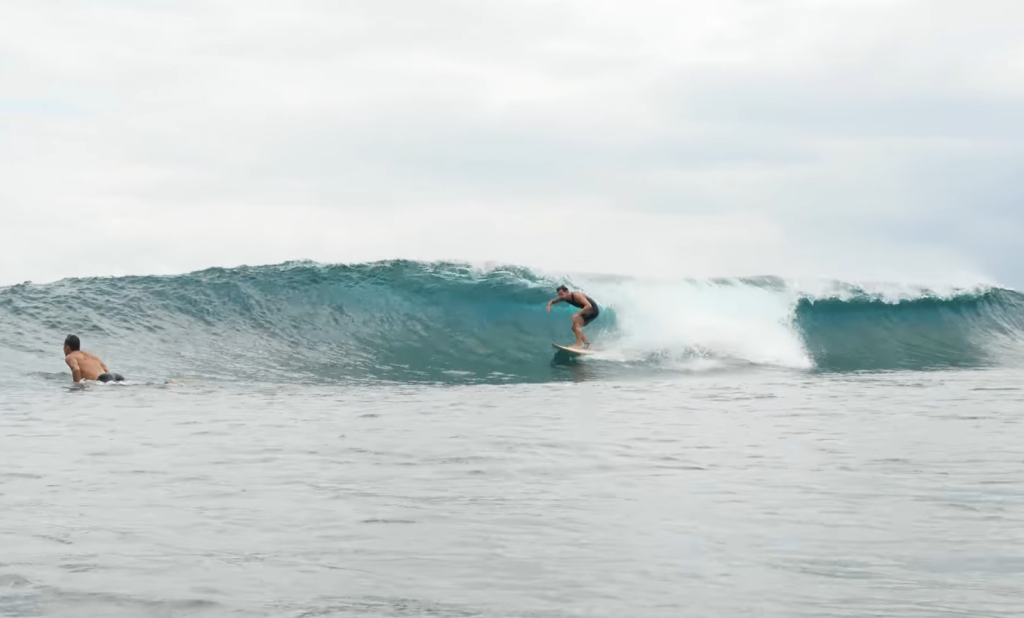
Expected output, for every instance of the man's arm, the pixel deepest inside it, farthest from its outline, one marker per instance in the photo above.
(552, 302)
(76, 371)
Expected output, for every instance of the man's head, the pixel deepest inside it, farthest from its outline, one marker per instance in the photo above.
(72, 344)
(563, 292)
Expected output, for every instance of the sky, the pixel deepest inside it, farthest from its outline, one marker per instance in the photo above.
(853, 139)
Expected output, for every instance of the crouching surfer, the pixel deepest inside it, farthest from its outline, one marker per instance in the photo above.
(85, 366)
(587, 313)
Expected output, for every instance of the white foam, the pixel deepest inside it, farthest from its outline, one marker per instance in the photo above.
(885, 291)
(719, 320)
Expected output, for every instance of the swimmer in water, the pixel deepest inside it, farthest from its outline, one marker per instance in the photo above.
(85, 366)
(587, 313)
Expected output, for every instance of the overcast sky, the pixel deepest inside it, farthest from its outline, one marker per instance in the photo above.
(879, 139)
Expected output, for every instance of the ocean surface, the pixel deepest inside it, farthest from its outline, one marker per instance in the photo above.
(400, 439)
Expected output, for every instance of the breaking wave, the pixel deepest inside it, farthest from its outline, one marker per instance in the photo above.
(402, 321)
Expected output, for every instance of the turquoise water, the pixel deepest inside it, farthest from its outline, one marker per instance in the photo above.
(399, 439)
(409, 322)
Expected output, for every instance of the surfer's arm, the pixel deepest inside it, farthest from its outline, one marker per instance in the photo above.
(76, 371)
(552, 302)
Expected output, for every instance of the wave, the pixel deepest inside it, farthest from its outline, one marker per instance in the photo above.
(403, 321)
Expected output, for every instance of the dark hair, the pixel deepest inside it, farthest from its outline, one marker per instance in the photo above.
(73, 342)
(561, 288)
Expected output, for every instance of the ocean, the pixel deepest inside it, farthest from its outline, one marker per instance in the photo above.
(400, 439)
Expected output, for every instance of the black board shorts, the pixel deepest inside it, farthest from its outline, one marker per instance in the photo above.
(590, 315)
(110, 377)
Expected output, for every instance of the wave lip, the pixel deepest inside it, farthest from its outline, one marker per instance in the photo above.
(450, 323)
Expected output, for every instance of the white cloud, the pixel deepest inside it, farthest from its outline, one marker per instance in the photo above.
(853, 138)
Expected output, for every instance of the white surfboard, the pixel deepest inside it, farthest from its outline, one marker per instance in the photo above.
(579, 351)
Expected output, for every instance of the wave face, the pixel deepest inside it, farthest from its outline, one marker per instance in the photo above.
(402, 321)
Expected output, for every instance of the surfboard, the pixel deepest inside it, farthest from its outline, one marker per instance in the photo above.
(579, 351)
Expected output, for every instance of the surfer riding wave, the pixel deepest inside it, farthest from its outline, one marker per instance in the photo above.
(587, 313)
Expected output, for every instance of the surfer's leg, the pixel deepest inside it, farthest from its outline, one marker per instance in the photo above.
(581, 337)
(577, 328)
(585, 319)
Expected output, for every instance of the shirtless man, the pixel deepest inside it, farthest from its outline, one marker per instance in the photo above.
(85, 366)
(587, 313)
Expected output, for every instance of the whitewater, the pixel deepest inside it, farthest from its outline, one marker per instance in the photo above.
(399, 438)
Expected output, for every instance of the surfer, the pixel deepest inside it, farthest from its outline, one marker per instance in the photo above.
(85, 366)
(587, 313)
